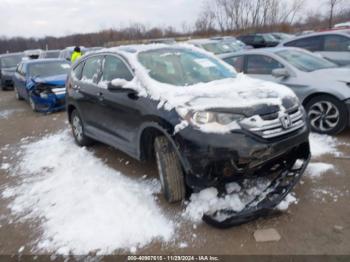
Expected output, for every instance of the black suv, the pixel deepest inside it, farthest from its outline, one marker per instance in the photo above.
(259, 40)
(8, 65)
(204, 125)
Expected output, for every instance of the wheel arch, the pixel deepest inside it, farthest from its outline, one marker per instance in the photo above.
(70, 109)
(313, 95)
(146, 139)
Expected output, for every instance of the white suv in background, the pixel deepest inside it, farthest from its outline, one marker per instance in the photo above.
(332, 45)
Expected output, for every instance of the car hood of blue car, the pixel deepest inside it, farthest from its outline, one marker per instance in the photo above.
(57, 80)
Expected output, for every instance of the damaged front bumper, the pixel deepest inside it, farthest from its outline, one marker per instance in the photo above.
(49, 100)
(285, 178)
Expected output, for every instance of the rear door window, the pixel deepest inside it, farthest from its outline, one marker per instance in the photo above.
(336, 43)
(92, 69)
(261, 65)
(236, 61)
(312, 44)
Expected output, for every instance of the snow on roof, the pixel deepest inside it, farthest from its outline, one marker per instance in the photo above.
(346, 24)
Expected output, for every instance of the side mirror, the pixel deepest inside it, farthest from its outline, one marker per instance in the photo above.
(119, 85)
(280, 73)
(348, 47)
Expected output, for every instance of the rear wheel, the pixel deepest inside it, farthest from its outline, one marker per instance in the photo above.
(170, 170)
(78, 130)
(327, 115)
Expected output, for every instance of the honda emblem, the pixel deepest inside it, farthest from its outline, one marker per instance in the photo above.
(286, 121)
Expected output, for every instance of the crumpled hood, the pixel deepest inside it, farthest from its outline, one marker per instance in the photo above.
(58, 80)
(332, 74)
(240, 94)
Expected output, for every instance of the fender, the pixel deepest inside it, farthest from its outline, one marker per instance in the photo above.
(165, 128)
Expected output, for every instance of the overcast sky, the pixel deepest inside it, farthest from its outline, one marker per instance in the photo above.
(39, 18)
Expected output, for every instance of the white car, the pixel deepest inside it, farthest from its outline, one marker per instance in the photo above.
(322, 86)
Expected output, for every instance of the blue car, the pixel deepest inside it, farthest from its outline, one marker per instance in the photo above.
(42, 83)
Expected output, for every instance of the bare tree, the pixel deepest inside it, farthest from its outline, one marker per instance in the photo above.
(333, 4)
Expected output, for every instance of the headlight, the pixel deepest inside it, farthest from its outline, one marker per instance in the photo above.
(205, 117)
(44, 95)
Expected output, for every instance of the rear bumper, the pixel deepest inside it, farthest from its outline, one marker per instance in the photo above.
(7, 82)
(262, 205)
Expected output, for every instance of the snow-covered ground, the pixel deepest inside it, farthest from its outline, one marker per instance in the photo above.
(83, 204)
(4, 114)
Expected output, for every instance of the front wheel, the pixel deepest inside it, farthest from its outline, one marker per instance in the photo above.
(327, 115)
(170, 170)
(32, 103)
(17, 95)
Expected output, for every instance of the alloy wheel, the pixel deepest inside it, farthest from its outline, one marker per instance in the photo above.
(77, 128)
(324, 116)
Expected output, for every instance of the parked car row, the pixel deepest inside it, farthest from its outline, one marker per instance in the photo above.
(204, 124)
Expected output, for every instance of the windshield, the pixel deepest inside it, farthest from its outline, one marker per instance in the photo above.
(48, 69)
(10, 61)
(183, 67)
(219, 48)
(304, 61)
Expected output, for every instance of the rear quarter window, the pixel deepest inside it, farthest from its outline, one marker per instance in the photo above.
(336, 43)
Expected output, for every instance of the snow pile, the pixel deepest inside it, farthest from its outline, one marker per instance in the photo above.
(323, 144)
(83, 204)
(289, 200)
(316, 170)
(5, 166)
(208, 200)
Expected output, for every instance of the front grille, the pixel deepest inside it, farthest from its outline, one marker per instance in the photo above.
(274, 128)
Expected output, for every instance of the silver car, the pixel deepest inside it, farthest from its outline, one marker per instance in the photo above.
(216, 47)
(332, 45)
(322, 86)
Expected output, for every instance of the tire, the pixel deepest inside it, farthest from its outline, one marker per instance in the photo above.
(32, 103)
(17, 95)
(170, 170)
(327, 115)
(77, 126)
